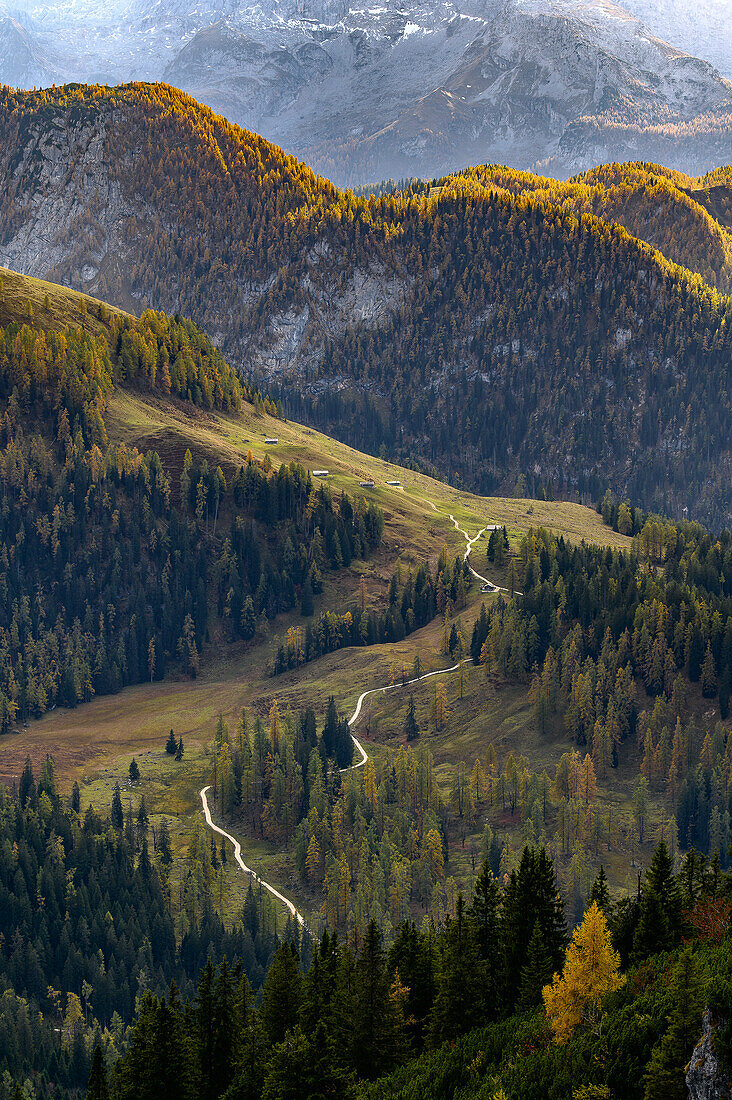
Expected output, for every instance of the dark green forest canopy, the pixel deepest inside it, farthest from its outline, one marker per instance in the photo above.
(104, 581)
(456, 1010)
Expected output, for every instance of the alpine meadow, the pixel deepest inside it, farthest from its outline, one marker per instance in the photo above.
(365, 553)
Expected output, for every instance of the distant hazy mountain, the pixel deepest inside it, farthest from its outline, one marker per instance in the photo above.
(394, 89)
(703, 27)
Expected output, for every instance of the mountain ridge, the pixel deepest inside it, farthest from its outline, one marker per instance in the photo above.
(439, 325)
(363, 93)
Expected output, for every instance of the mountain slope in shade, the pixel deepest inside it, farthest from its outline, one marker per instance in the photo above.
(494, 335)
(367, 92)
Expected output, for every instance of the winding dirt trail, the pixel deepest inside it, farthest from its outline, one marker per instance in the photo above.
(238, 857)
(363, 755)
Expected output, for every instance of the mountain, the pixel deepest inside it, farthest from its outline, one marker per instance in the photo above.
(492, 335)
(24, 62)
(364, 93)
(703, 28)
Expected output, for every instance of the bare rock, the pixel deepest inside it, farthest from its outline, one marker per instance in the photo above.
(704, 1077)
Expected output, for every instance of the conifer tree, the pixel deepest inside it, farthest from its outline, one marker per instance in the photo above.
(535, 973)
(591, 971)
(378, 1025)
(530, 896)
(281, 994)
(659, 924)
(459, 1003)
(410, 728)
(117, 813)
(97, 1088)
(599, 892)
(664, 1078)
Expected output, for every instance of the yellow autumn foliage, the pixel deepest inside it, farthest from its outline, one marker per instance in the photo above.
(591, 971)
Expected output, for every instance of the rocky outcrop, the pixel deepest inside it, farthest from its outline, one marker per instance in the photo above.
(704, 1077)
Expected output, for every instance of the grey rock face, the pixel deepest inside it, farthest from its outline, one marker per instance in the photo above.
(390, 88)
(704, 1079)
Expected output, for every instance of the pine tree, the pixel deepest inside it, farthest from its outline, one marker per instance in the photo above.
(134, 772)
(171, 745)
(179, 750)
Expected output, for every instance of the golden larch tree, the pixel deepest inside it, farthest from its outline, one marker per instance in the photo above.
(591, 971)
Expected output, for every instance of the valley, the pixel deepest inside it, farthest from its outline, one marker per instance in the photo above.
(365, 581)
(94, 745)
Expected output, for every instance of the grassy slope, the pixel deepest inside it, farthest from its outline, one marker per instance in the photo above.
(54, 307)
(96, 742)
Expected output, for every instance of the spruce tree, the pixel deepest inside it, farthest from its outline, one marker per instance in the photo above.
(164, 848)
(665, 1074)
(411, 729)
(97, 1088)
(117, 816)
(378, 1028)
(27, 785)
(413, 956)
(226, 1035)
(485, 923)
(281, 994)
(535, 973)
(599, 891)
(171, 745)
(532, 895)
(306, 604)
(659, 924)
(459, 1003)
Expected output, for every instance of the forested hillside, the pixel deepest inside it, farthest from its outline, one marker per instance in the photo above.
(111, 570)
(494, 1003)
(686, 219)
(500, 337)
